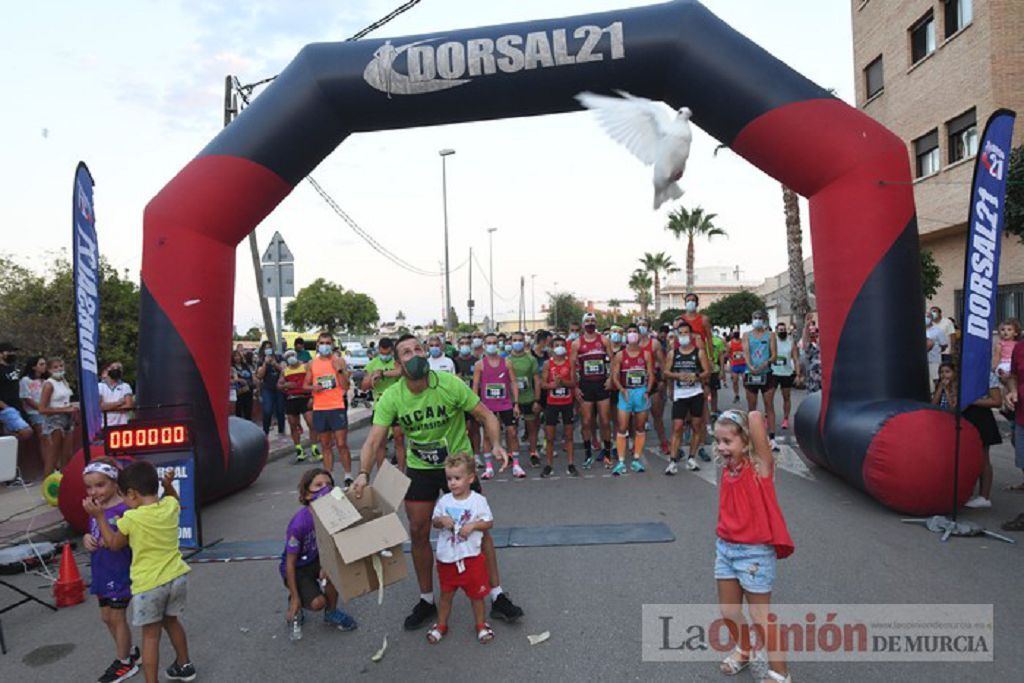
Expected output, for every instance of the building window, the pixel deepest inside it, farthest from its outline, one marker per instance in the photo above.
(959, 13)
(1009, 302)
(922, 38)
(963, 136)
(926, 152)
(873, 79)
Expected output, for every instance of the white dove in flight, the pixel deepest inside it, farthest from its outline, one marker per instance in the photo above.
(648, 131)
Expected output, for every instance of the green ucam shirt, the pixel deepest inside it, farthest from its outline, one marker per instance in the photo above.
(718, 348)
(525, 367)
(434, 421)
(386, 366)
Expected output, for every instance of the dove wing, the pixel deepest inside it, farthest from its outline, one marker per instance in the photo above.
(635, 122)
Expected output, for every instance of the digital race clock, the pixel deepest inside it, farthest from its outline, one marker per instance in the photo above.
(147, 437)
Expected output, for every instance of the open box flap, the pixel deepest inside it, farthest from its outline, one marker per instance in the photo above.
(370, 537)
(335, 511)
(390, 484)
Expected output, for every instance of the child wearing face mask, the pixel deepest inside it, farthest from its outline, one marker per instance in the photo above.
(300, 562)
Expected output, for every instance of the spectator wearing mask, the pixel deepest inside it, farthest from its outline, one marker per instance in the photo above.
(116, 397)
(439, 362)
(301, 352)
(11, 418)
(56, 406)
(271, 398)
(812, 354)
(30, 390)
(948, 328)
(244, 385)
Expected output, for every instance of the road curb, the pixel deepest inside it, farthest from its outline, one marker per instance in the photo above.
(289, 450)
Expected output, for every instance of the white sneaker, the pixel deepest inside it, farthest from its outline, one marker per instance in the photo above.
(672, 468)
(488, 473)
(692, 465)
(479, 462)
(518, 472)
(978, 502)
(775, 446)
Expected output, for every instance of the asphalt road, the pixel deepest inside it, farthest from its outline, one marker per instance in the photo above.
(849, 550)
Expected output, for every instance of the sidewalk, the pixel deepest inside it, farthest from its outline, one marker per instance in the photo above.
(23, 510)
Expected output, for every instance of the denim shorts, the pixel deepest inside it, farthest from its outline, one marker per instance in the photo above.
(634, 400)
(12, 421)
(752, 565)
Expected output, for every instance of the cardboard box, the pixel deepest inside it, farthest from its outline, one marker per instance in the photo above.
(350, 531)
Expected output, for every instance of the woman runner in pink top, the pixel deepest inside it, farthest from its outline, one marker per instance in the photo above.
(494, 381)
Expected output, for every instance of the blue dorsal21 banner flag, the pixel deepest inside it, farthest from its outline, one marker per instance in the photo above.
(87, 303)
(981, 261)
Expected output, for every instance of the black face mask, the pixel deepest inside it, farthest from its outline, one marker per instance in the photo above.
(114, 374)
(417, 367)
(782, 334)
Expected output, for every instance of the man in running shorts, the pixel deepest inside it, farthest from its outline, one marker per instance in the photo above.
(785, 366)
(760, 351)
(687, 368)
(589, 356)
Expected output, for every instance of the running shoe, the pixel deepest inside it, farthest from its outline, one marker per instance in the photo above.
(534, 460)
(183, 672)
(672, 469)
(421, 613)
(546, 472)
(502, 608)
(665, 449)
(300, 454)
(135, 655)
(572, 471)
(775, 446)
(518, 472)
(620, 468)
(119, 671)
(348, 480)
(588, 462)
(703, 454)
(488, 472)
(317, 455)
(479, 462)
(637, 466)
(978, 502)
(341, 619)
(692, 465)
(785, 423)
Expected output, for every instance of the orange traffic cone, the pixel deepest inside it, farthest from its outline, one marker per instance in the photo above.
(69, 589)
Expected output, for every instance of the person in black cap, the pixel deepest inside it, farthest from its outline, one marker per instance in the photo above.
(11, 419)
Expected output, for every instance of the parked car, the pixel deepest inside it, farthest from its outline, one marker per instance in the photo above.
(357, 358)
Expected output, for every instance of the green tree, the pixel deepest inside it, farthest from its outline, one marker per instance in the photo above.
(564, 308)
(37, 313)
(327, 306)
(693, 224)
(1015, 194)
(931, 275)
(656, 264)
(669, 315)
(254, 334)
(640, 282)
(735, 309)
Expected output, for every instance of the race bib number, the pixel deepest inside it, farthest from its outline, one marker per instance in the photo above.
(738, 355)
(681, 384)
(326, 381)
(781, 362)
(495, 391)
(757, 380)
(521, 381)
(432, 452)
(636, 378)
(593, 367)
(560, 392)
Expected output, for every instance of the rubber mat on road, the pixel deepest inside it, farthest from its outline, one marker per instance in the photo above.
(505, 537)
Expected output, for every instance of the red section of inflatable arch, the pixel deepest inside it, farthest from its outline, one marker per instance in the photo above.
(853, 152)
(204, 234)
(895, 475)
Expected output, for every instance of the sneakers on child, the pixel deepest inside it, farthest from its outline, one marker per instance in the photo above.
(673, 468)
(342, 620)
(488, 472)
(181, 672)
(637, 466)
(620, 468)
(119, 671)
(978, 503)
(517, 471)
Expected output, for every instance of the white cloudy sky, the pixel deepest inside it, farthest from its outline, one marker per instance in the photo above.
(136, 89)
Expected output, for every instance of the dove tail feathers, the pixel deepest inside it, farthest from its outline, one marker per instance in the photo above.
(670, 192)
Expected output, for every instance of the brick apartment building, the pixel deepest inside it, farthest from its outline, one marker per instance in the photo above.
(932, 71)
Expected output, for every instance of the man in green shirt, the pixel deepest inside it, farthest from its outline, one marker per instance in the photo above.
(525, 366)
(381, 373)
(431, 408)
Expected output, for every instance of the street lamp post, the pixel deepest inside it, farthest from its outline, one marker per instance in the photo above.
(490, 240)
(445, 153)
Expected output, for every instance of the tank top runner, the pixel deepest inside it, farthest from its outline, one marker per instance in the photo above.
(783, 363)
(326, 377)
(760, 350)
(464, 368)
(689, 363)
(294, 380)
(749, 512)
(736, 357)
(648, 348)
(559, 396)
(633, 370)
(697, 327)
(495, 386)
(592, 359)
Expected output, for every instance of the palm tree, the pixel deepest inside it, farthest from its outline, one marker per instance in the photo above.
(799, 305)
(640, 282)
(656, 264)
(693, 224)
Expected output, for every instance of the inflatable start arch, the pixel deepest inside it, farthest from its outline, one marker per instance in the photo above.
(870, 424)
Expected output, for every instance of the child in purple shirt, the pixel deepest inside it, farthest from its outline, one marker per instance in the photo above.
(111, 583)
(300, 561)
